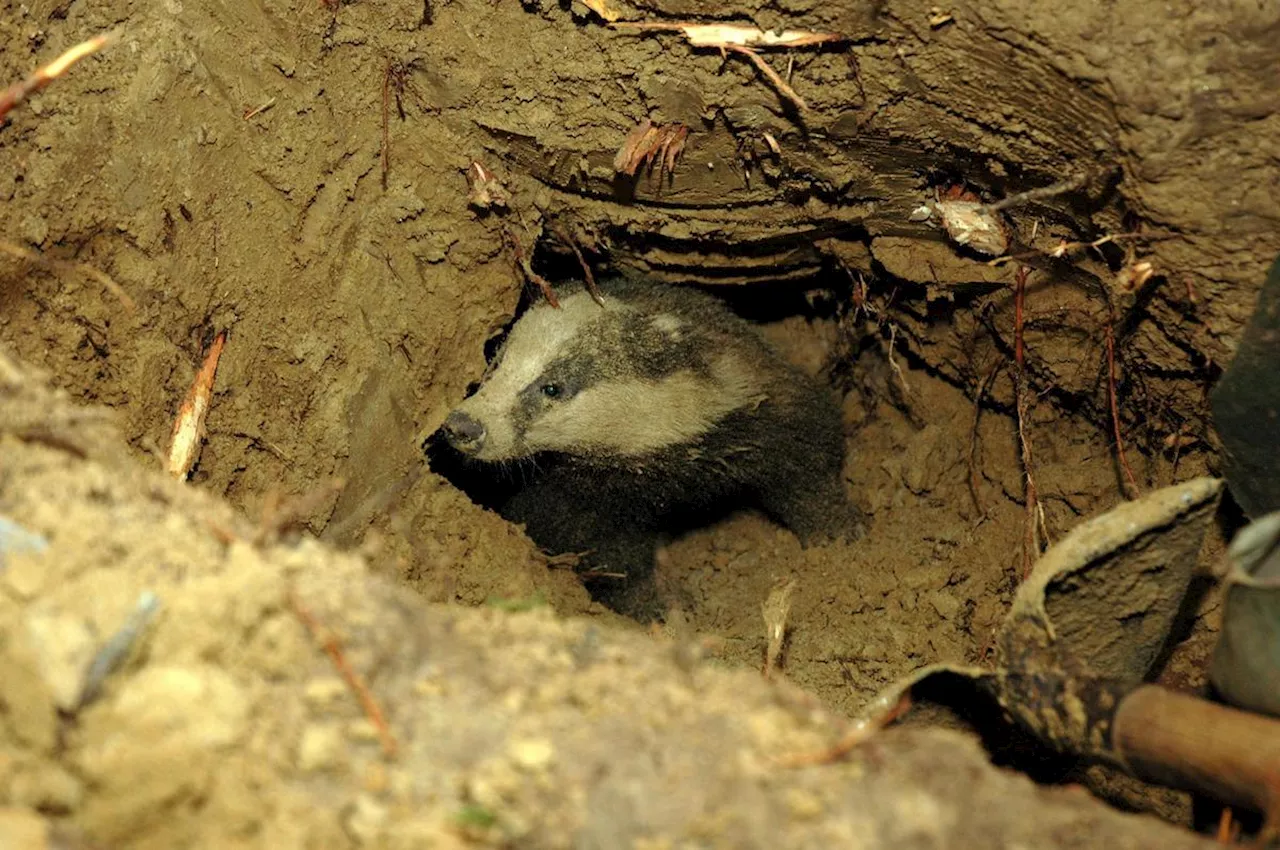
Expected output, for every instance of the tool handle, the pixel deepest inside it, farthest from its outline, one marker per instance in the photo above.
(1184, 742)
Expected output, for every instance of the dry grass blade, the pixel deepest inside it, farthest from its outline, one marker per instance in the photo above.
(20, 91)
(188, 427)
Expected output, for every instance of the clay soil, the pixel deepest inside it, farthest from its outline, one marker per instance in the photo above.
(297, 175)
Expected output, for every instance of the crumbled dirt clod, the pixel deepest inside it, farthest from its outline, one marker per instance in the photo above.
(228, 726)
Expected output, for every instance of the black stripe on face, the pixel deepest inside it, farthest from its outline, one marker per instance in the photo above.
(613, 348)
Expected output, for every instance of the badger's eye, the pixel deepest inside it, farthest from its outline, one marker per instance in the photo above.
(551, 390)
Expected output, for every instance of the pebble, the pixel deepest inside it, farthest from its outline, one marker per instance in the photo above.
(323, 691)
(532, 753)
(23, 828)
(319, 747)
(48, 787)
(366, 821)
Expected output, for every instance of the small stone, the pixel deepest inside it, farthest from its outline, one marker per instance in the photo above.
(47, 787)
(320, 747)
(803, 805)
(202, 704)
(532, 753)
(366, 820)
(64, 648)
(362, 729)
(376, 778)
(26, 574)
(34, 229)
(324, 691)
(946, 604)
(23, 828)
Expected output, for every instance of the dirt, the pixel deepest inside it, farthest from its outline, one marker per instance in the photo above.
(225, 165)
(225, 720)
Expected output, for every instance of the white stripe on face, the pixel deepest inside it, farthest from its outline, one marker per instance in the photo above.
(539, 337)
(634, 417)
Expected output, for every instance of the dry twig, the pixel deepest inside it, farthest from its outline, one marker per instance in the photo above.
(333, 648)
(722, 35)
(20, 91)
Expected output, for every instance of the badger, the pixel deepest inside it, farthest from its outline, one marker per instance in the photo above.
(649, 411)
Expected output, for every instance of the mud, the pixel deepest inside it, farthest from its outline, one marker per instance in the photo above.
(359, 301)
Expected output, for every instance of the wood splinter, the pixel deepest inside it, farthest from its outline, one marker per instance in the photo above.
(188, 427)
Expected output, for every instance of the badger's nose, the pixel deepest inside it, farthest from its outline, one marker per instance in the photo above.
(464, 432)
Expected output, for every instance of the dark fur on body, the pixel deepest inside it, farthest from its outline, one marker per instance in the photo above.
(781, 450)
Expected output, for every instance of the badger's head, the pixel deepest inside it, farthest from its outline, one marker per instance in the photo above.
(599, 382)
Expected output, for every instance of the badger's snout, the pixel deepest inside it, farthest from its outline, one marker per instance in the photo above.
(464, 432)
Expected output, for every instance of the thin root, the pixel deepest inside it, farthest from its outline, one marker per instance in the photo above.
(775, 610)
(587, 275)
(81, 269)
(1131, 485)
(279, 514)
(893, 364)
(523, 265)
(18, 92)
(1030, 544)
(973, 439)
(857, 734)
(650, 145)
(784, 88)
(333, 648)
(258, 110)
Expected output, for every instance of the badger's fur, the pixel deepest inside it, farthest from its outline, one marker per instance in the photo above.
(646, 413)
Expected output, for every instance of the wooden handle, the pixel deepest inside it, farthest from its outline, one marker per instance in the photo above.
(1189, 743)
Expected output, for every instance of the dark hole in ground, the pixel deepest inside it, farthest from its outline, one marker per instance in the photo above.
(824, 298)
